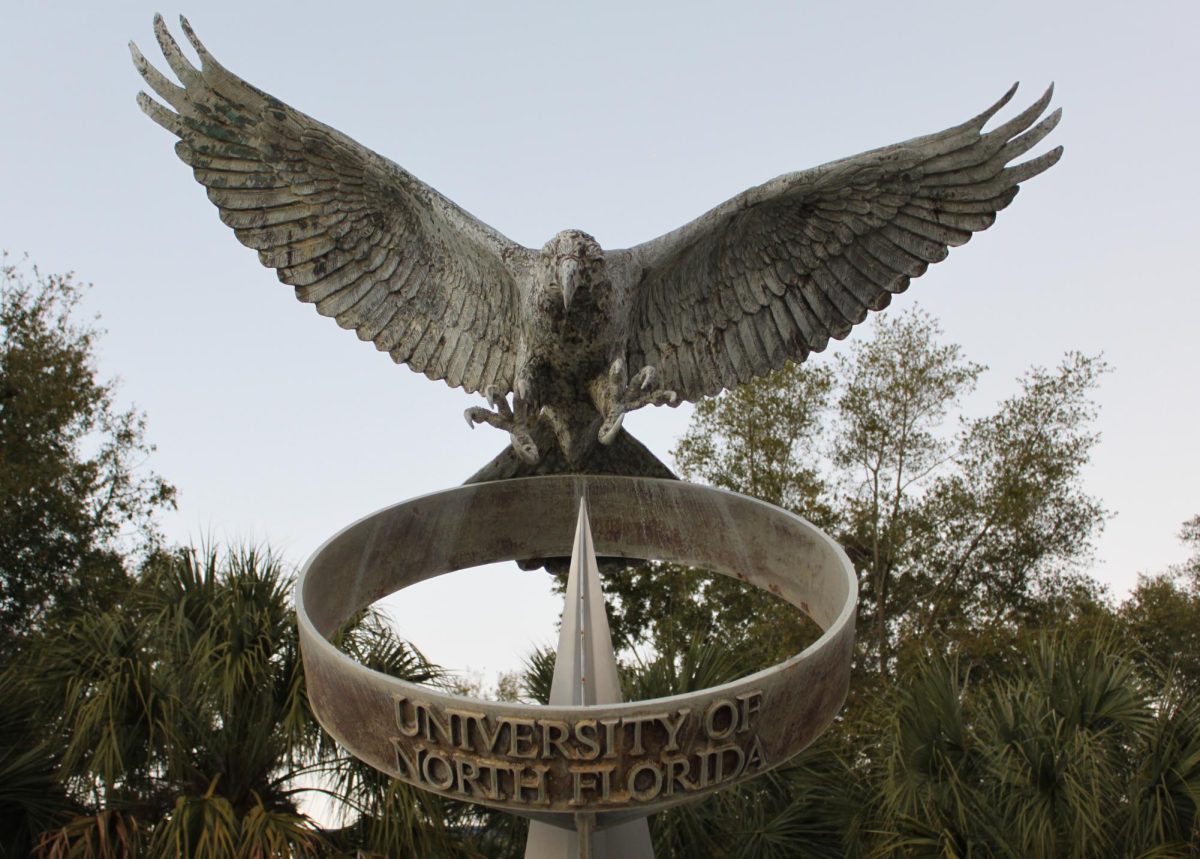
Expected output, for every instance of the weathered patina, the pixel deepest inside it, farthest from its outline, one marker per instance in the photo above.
(619, 761)
(580, 335)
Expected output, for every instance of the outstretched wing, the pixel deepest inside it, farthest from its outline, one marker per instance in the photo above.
(772, 274)
(354, 233)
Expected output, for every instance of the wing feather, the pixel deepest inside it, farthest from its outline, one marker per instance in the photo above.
(772, 274)
(357, 236)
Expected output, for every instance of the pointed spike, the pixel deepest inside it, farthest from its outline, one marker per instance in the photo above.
(586, 668)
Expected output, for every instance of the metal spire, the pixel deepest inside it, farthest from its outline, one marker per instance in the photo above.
(585, 672)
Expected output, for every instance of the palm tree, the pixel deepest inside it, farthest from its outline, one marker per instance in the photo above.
(185, 721)
(1072, 754)
(31, 797)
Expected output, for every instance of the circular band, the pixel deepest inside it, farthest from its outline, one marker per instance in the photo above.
(621, 760)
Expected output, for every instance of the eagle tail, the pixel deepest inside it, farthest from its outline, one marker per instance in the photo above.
(626, 456)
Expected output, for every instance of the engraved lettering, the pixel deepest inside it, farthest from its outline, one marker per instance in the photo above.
(756, 759)
(610, 736)
(581, 780)
(677, 768)
(706, 759)
(724, 775)
(720, 719)
(431, 721)
(673, 729)
(489, 741)
(578, 763)
(429, 772)
(406, 727)
(554, 734)
(642, 794)
(468, 776)
(461, 722)
(532, 777)
(493, 771)
(406, 760)
(637, 722)
(585, 778)
(751, 703)
(520, 731)
(590, 740)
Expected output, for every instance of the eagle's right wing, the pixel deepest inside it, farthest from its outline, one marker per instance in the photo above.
(772, 274)
(354, 233)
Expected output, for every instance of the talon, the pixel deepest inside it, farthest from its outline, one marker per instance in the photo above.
(616, 373)
(502, 416)
(499, 402)
(610, 428)
(477, 415)
(644, 379)
(627, 394)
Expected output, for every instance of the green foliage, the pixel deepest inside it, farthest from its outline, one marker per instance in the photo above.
(898, 387)
(954, 526)
(31, 796)
(185, 723)
(1162, 616)
(108, 834)
(72, 485)
(169, 718)
(760, 439)
(1069, 755)
(1007, 526)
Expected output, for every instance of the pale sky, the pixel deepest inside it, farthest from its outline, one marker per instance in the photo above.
(626, 120)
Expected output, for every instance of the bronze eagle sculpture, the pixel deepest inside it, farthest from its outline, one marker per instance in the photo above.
(578, 336)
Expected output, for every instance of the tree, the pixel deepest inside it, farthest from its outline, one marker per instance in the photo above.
(897, 387)
(73, 490)
(762, 439)
(1162, 616)
(1067, 753)
(32, 798)
(1006, 529)
(185, 723)
(961, 533)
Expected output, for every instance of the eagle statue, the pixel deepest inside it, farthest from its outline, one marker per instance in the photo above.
(576, 335)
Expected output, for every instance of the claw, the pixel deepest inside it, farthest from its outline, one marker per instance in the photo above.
(644, 378)
(627, 395)
(610, 427)
(502, 416)
(499, 402)
(617, 374)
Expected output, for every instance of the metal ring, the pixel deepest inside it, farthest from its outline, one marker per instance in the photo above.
(622, 760)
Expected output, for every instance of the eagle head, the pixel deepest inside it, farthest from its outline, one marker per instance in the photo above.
(574, 261)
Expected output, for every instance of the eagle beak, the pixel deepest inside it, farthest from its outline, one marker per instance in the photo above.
(568, 277)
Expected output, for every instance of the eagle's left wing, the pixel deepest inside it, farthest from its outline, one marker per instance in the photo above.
(772, 274)
(359, 237)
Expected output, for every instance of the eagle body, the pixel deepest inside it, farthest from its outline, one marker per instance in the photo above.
(565, 340)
